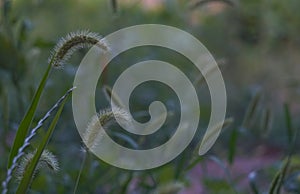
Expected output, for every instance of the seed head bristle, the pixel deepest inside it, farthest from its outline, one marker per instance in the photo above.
(47, 160)
(72, 42)
(101, 121)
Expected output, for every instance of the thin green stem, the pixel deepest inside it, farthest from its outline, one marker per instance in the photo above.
(126, 183)
(81, 170)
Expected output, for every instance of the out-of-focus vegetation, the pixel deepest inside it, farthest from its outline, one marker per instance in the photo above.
(256, 44)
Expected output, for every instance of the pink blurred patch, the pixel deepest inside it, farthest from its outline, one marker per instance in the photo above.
(152, 4)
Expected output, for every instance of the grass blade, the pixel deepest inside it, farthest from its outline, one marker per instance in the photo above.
(27, 120)
(194, 163)
(266, 122)
(221, 164)
(278, 180)
(26, 181)
(210, 136)
(126, 183)
(232, 145)
(288, 121)
(110, 97)
(279, 177)
(114, 5)
(81, 170)
(126, 139)
(27, 141)
(251, 110)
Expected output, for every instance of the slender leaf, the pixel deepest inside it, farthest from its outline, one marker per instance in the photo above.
(126, 183)
(114, 5)
(6, 111)
(201, 79)
(194, 163)
(80, 171)
(127, 139)
(211, 135)
(288, 121)
(180, 167)
(232, 145)
(279, 177)
(27, 120)
(221, 164)
(278, 180)
(26, 181)
(266, 121)
(110, 97)
(251, 110)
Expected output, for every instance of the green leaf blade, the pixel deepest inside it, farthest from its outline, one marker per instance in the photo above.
(288, 121)
(26, 181)
(27, 120)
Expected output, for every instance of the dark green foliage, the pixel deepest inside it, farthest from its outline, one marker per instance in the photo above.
(256, 41)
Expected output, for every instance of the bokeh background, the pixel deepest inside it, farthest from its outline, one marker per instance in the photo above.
(255, 42)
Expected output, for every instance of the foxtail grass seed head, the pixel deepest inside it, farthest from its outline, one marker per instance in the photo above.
(101, 121)
(47, 160)
(72, 42)
(28, 140)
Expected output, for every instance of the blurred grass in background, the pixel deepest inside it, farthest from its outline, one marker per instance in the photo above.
(255, 42)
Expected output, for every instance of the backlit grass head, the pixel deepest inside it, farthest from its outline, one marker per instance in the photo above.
(72, 42)
(101, 121)
(47, 161)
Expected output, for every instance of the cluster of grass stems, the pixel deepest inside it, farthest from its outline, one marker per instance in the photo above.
(24, 164)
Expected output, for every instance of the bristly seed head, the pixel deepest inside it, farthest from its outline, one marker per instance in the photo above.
(47, 160)
(100, 121)
(71, 43)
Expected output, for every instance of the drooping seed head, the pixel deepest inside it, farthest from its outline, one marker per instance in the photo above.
(47, 160)
(101, 121)
(72, 42)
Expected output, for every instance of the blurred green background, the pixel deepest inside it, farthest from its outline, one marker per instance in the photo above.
(255, 43)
